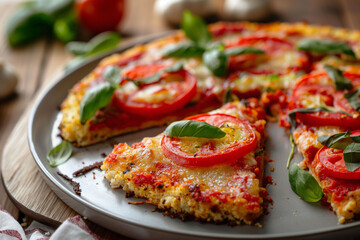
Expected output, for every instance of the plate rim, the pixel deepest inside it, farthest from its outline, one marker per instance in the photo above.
(60, 186)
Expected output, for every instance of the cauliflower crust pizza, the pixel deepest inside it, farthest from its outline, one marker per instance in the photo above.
(210, 166)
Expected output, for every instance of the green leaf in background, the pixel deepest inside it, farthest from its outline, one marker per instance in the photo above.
(195, 29)
(337, 141)
(304, 185)
(95, 99)
(354, 98)
(325, 46)
(216, 61)
(26, 25)
(243, 50)
(352, 156)
(65, 27)
(83, 50)
(341, 82)
(54, 7)
(184, 49)
(112, 74)
(190, 128)
(59, 154)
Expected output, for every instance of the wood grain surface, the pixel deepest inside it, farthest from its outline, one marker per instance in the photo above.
(40, 63)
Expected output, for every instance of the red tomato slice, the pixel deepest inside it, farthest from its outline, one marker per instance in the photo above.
(333, 162)
(140, 72)
(207, 153)
(170, 93)
(318, 89)
(281, 56)
(221, 29)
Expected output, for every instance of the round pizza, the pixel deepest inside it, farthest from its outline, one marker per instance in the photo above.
(217, 86)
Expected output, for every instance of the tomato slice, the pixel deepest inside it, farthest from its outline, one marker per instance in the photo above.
(170, 93)
(333, 162)
(281, 56)
(201, 152)
(141, 72)
(222, 29)
(317, 89)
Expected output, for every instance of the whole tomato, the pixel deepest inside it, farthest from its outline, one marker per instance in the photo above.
(100, 15)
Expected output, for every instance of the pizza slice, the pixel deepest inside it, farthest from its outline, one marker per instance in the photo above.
(321, 109)
(209, 179)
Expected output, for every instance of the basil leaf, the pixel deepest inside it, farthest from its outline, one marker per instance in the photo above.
(292, 114)
(337, 141)
(59, 154)
(353, 98)
(243, 50)
(185, 49)
(95, 99)
(65, 27)
(112, 74)
(190, 128)
(195, 29)
(304, 185)
(352, 156)
(291, 155)
(27, 24)
(341, 82)
(216, 61)
(228, 96)
(154, 78)
(325, 46)
(100, 43)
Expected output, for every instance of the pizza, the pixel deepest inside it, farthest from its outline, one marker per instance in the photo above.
(212, 180)
(303, 76)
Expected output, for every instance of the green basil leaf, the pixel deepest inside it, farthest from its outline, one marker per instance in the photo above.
(183, 50)
(112, 74)
(292, 114)
(195, 29)
(190, 128)
(304, 185)
(243, 50)
(291, 155)
(337, 141)
(54, 7)
(26, 25)
(156, 77)
(353, 98)
(65, 27)
(95, 99)
(216, 61)
(103, 42)
(341, 82)
(74, 63)
(352, 156)
(100, 43)
(228, 96)
(325, 46)
(59, 154)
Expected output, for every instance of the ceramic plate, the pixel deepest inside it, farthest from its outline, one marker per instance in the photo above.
(288, 217)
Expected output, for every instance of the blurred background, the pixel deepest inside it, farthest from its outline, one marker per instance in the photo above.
(42, 39)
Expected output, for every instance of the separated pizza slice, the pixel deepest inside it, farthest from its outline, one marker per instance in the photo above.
(209, 166)
(325, 115)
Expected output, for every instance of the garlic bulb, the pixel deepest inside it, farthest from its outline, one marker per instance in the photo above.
(172, 10)
(8, 80)
(250, 10)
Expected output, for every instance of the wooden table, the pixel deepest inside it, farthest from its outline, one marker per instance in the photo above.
(38, 63)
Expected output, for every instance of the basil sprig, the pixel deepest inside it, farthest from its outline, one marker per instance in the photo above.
(184, 49)
(341, 82)
(304, 185)
(350, 145)
(156, 77)
(292, 114)
(242, 50)
(59, 154)
(190, 128)
(195, 29)
(100, 96)
(353, 98)
(325, 46)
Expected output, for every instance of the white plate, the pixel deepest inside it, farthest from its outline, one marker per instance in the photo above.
(288, 217)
